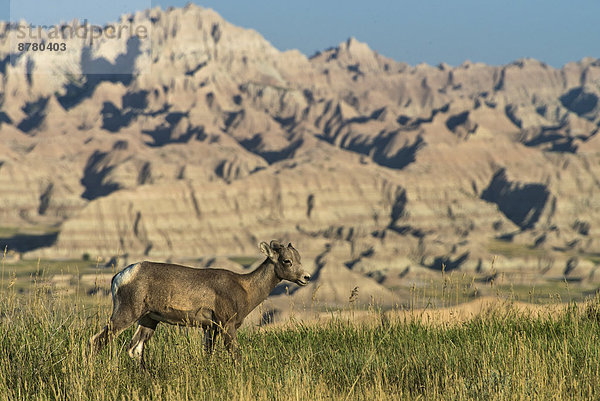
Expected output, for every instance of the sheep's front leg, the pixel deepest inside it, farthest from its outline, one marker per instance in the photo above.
(210, 336)
(230, 338)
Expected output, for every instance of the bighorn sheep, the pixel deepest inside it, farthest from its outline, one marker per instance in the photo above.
(215, 299)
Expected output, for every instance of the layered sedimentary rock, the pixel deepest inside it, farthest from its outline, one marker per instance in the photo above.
(203, 139)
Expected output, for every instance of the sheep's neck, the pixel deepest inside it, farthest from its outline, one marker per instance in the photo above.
(260, 283)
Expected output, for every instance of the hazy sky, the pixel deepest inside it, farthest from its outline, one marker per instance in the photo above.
(414, 31)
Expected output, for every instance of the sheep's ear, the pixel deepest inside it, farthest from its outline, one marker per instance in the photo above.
(264, 248)
(268, 251)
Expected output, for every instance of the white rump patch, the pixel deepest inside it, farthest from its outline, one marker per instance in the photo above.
(123, 277)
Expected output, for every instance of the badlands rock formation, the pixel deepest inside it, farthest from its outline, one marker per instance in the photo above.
(203, 139)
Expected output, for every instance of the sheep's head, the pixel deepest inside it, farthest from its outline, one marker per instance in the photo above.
(287, 262)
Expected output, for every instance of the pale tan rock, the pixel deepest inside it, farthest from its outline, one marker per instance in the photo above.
(218, 141)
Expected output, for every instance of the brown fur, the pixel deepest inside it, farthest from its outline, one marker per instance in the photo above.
(217, 300)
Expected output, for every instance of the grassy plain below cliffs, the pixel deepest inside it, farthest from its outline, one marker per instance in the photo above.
(502, 352)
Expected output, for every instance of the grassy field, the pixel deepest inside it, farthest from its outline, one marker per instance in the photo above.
(500, 354)
(49, 310)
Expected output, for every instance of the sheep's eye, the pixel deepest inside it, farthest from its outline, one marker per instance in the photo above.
(287, 262)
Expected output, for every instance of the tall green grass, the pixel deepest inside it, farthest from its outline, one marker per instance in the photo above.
(500, 354)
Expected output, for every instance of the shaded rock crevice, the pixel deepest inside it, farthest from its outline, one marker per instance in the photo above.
(28, 242)
(461, 125)
(45, 198)
(447, 264)
(96, 177)
(36, 113)
(520, 203)
(140, 232)
(310, 204)
(256, 145)
(95, 70)
(398, 206)
(145, 174)
(381, 148)
(580, 102)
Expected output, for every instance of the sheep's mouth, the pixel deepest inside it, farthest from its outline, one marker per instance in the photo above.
(301, 282)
